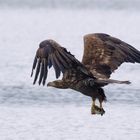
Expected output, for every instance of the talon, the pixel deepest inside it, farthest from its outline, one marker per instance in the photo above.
(97, 110)
(102, 111)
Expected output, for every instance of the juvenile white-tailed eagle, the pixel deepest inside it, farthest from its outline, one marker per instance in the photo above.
(103, 54)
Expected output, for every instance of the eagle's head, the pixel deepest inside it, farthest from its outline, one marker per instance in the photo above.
(52, 84)
(57, 84)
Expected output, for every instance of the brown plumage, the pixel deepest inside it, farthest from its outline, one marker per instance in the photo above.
(103, 54)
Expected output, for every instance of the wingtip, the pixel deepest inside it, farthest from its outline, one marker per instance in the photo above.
(43, 83)
(31, 73)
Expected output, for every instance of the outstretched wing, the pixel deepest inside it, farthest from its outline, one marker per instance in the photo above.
(51, 54)
(103, 54)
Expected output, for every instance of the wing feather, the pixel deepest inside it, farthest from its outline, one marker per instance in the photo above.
(51, 54)
(41, 73)
(34, 65)
(103, 54)
(37, 71)
(61, 61)
(45, 71)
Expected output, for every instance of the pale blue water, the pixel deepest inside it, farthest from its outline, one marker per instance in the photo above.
(72, 4)
(26, 108)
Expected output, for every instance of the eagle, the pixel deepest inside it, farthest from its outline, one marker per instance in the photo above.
(103, 54)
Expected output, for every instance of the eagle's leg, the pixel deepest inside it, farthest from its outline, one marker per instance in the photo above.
(93, 107)
(101, 107)
(101, 103)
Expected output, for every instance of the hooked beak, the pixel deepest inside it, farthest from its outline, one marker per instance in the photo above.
(50, 84)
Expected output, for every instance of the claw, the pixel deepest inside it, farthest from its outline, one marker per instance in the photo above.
(97, 110)
(102, 111)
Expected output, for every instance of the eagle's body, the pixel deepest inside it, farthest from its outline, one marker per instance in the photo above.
(103, 54)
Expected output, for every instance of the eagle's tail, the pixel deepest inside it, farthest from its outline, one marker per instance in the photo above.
(111, 81)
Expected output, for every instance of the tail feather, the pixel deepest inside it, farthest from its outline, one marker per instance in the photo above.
(111, 81)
